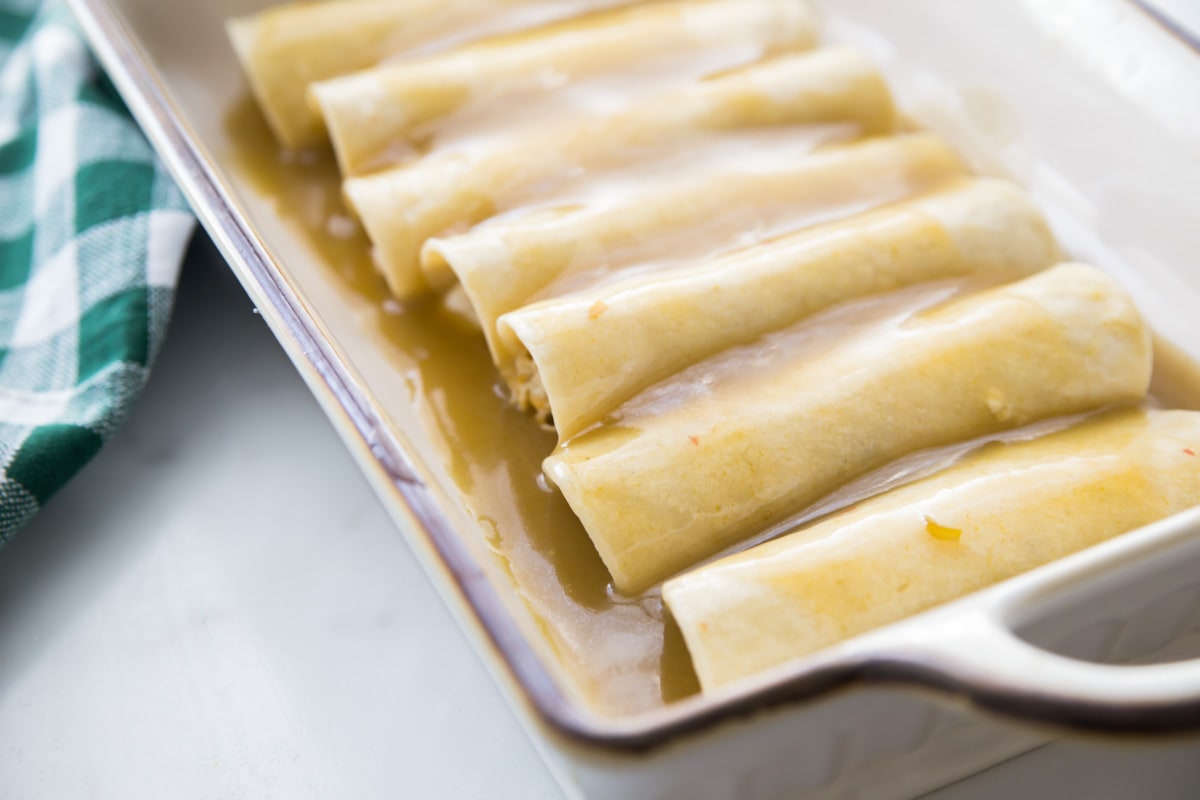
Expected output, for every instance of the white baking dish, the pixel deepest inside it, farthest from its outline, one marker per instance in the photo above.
(1093, 106)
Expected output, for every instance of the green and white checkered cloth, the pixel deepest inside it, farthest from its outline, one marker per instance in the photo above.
(92, 232)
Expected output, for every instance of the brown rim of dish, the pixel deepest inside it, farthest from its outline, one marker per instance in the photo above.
(811, 680)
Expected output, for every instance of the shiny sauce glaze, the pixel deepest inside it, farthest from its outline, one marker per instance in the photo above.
(625, 654)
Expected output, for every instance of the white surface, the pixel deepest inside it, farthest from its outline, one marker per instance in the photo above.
(218, 607)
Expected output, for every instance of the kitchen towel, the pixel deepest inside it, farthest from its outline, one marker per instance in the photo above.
(92, 233)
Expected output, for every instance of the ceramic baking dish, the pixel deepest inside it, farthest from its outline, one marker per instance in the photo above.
(1095, 107)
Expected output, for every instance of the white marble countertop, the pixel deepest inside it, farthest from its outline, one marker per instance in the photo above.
(219, 607)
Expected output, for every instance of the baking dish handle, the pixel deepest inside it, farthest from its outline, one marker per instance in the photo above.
(972, 649)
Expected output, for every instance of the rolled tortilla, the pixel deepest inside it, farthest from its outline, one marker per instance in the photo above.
(1002, 511)
(383, 115)
(505, 263)
(737, 443)
(286, 48)
(452, 189)
(584, 354)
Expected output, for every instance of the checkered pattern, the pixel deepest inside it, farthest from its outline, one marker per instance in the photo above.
(92, 232)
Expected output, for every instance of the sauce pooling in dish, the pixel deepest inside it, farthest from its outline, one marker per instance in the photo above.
(695, 232)
(613, 648)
